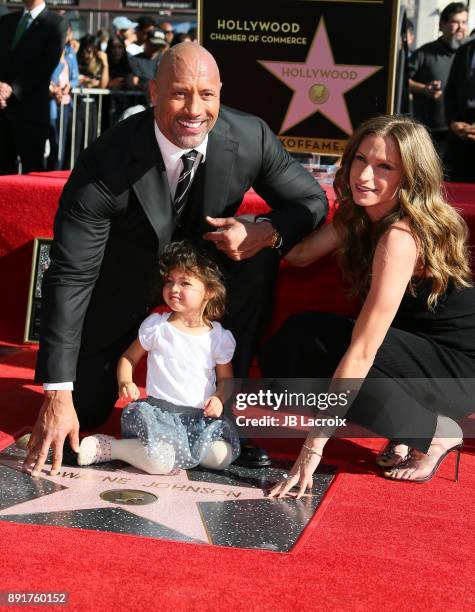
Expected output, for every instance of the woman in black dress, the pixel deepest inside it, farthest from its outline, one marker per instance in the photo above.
(402, 248)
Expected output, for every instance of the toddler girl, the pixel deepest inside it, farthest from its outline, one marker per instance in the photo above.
(179, 424)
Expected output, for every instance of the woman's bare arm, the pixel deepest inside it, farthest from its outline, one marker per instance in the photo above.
(323, 241)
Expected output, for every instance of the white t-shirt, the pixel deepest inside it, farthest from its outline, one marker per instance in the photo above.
(180, 366)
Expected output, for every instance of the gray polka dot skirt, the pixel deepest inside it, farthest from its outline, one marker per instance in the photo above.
(185, 428)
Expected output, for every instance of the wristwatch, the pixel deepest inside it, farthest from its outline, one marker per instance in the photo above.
(276, 239)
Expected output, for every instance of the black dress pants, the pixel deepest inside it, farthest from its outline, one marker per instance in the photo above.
(460, 160)
(311, 345)
(24, 140)
(250, 286)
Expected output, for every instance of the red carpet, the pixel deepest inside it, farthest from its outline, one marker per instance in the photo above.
(376, 544)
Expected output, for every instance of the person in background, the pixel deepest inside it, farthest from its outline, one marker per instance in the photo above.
(167, 29)
(31, 44)
(121, 80)
(60, 112)
(125, 29)
(70, 55)
(460, 115)
(103, 36)
(429, 68)
(93, 74)
(119, 66)
(93, 64)
(145, 25)
(145, 65)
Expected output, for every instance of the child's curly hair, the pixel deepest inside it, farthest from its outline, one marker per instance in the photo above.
(184, 256)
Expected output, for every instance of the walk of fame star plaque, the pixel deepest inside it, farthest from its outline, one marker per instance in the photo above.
(227, 508)
(312, 69)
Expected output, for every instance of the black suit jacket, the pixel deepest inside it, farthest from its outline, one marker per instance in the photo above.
(115, 216)
(29, 66)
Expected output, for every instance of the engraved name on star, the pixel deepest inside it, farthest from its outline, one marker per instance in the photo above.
(174, 510)
(319, 84)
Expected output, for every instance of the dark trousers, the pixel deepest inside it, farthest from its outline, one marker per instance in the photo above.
(460, 160)
(311, 345)
(24, 140)
(250, 285)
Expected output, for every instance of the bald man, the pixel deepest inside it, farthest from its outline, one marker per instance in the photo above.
(115, 216)
(167, 29)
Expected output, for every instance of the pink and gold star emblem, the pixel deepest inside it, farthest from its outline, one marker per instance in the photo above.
(319, 84)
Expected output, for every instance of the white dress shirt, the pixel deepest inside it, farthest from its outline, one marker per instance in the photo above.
(35, 12)
(172, 158)
(173, 164)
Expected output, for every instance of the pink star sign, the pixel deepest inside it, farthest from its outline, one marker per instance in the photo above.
(319, 84)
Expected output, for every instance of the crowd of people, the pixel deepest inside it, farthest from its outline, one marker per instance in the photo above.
(125, 59)
(122, 60)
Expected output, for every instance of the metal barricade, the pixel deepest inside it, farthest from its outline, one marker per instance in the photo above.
(88, 96)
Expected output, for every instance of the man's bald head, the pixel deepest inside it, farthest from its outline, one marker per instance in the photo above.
(184, 55)
(186, 94)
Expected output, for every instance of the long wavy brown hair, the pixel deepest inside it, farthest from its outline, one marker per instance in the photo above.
(440, 232)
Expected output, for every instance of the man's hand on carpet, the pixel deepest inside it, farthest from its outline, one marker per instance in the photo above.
(56, 420)
(239, 239)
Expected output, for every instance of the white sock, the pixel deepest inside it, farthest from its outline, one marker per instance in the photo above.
(218, 457)
(134, 452)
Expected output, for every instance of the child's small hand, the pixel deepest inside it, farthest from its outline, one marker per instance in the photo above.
(213, 407)
(129, 390)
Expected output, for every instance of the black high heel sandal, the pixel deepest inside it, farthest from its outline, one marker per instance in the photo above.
(457, 448)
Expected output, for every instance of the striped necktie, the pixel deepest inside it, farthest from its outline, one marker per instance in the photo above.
(21, 27)
(184, 180)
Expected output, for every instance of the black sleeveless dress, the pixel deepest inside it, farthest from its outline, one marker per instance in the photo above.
(425, 365)
(451, 324)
